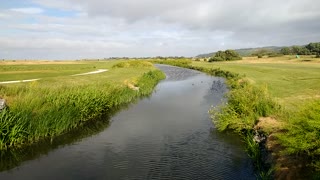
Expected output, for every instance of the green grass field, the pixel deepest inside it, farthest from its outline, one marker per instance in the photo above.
(277, 96)
(20, 70)
(292, 82)
(295, 85)
(59, 102)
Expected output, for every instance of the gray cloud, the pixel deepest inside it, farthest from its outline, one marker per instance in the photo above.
(217, 14)
(166, 27)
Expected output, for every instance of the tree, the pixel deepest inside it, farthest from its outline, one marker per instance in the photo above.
(265, 52)
(232, 55)
(300, 50)
(228, 55)
(314, 48)
(286, 51)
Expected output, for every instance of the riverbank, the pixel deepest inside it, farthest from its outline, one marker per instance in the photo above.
(57, 104)
(168, 135)
(254, 96)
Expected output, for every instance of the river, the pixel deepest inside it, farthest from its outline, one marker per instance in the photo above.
(168, 135)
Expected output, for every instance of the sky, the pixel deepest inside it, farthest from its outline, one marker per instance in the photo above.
(79, 29)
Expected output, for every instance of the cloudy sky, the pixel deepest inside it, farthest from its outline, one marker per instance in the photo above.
(73, 29)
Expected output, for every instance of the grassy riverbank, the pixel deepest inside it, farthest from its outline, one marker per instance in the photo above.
(286, 92)
(59, 102)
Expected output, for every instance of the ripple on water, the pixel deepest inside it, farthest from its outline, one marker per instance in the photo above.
(167, 136)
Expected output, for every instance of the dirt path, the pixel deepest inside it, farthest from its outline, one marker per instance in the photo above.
(93, 72)
(30, 80)
(18, 81)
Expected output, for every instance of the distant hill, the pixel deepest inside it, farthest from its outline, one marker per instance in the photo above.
(245, 51)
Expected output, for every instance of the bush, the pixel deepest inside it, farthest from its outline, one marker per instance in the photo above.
(259, 56)
(135, 64)
(179, 62)
(246, 103)
(274, 55)
(228, 55)
(216, 59)
(303, 136)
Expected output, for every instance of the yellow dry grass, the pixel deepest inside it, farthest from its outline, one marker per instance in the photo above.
(281, 60)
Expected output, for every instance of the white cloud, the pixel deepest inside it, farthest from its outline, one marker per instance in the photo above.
(28, 10)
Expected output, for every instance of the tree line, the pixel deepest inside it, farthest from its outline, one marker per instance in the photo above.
(310, 49)
(227, 55)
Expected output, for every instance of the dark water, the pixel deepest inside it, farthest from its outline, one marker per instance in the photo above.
(166, 136)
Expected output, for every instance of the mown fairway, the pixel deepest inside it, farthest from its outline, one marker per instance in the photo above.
(59, 102)
(20, 70)
(252, 106)
(291, 81)
(295, 85)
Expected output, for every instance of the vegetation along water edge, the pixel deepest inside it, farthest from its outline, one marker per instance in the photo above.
(281, 130)
(56, 105)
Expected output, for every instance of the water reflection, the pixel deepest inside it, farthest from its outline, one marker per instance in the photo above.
(166, 136)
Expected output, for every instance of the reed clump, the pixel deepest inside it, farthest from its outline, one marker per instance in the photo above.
(46, 110)
(246, 103)
(302, 134)
(132, 64)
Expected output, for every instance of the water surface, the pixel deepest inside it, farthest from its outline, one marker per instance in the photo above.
(167, 136)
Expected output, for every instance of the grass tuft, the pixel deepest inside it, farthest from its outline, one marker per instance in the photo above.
(246, 103)
(303, 134)
(133, 64)
(51, 108)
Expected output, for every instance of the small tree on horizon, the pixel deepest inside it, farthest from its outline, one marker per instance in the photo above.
(228, 55)
(286, 51)
(314, 48)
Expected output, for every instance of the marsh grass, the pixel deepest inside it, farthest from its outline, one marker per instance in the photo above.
(302, 135)
(132, 64)
(246, 103)
(50, 108)
(294, 84)
(14, 156)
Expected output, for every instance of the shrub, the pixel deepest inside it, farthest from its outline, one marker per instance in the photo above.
(179, 62)
(246, 103)
(274, 55)
(303, 134)
(134, 63)
(216, 59)
(228, 55)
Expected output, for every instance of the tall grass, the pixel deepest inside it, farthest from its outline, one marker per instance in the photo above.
(133, 63)
(42, 111)
(13, 157)
(246, 103)
(302, 135)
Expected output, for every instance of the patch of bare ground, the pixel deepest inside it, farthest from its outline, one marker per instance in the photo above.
(246, 79)
(287, 167)
(131, 85)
